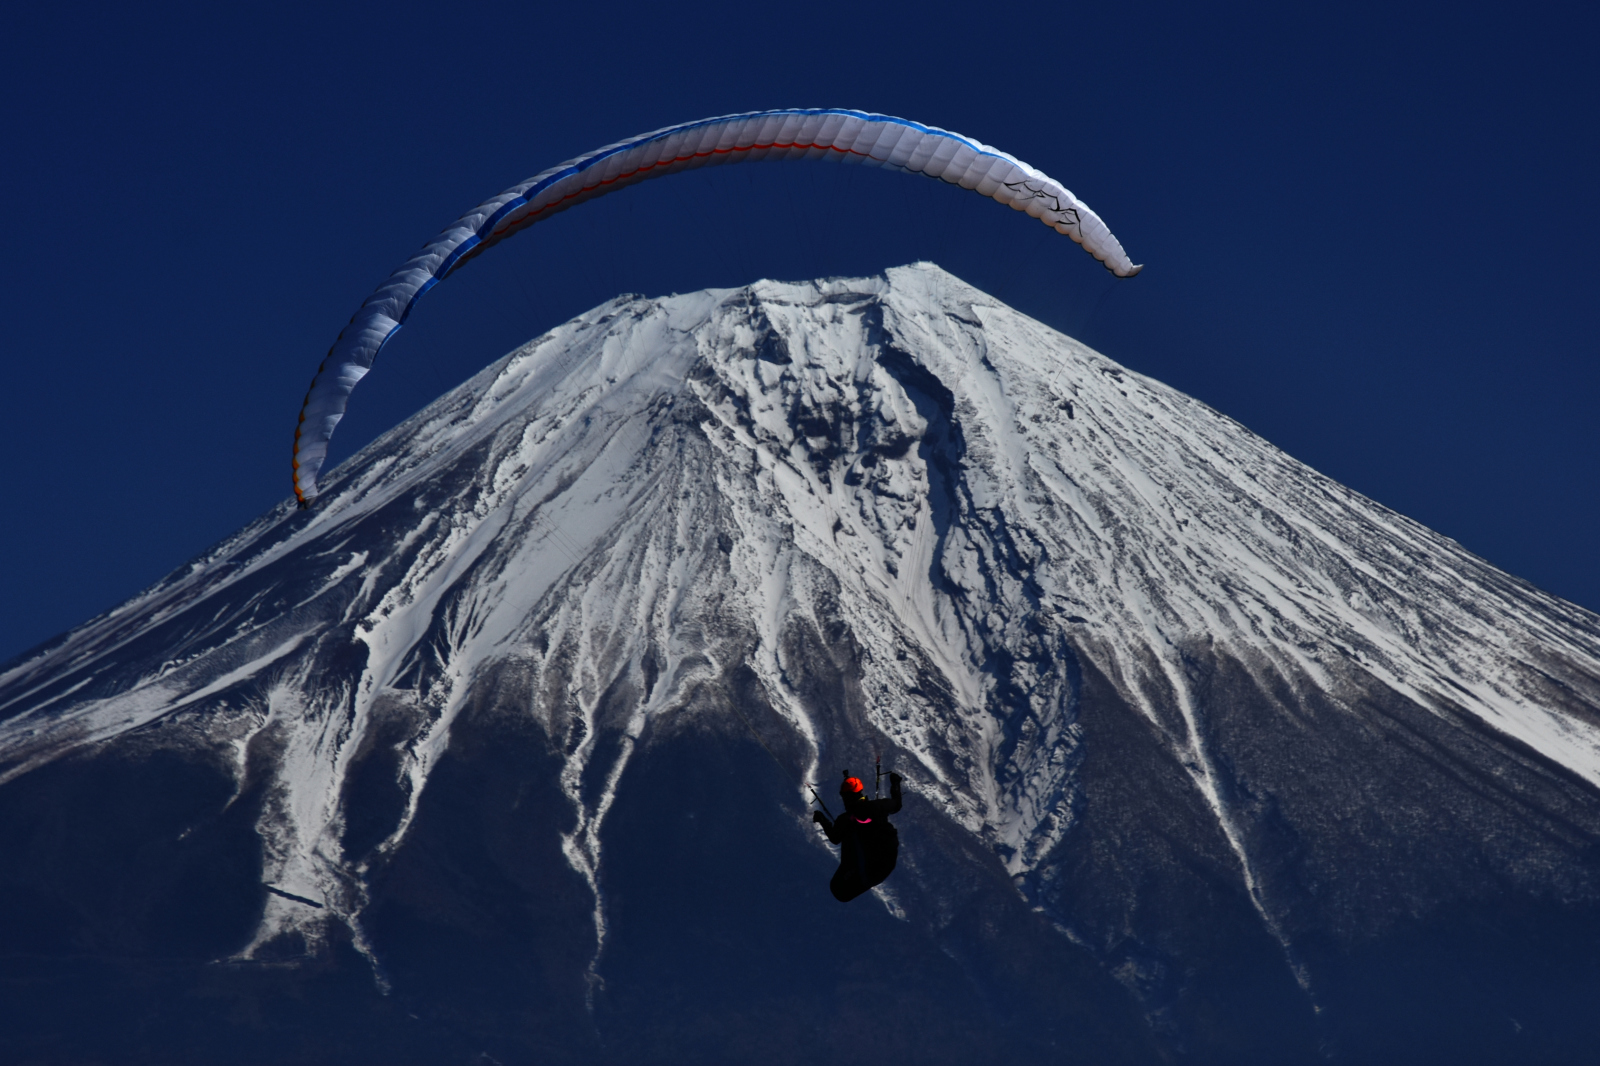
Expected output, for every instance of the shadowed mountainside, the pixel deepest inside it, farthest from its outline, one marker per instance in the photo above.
(499, 753)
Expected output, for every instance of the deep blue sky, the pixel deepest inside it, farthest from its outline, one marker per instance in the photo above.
(1369, 235)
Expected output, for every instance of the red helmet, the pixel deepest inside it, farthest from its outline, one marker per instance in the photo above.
(852, 787)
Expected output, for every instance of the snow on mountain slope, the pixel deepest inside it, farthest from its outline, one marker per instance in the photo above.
(655, 494)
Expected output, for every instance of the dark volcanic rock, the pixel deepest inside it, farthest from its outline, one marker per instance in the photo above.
(500, 753)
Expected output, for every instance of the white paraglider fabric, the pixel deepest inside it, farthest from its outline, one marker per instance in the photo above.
(845, 136)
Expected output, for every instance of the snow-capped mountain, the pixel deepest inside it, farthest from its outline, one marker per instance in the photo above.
(504, 747)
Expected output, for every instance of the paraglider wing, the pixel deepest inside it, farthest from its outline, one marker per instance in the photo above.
(845, 136)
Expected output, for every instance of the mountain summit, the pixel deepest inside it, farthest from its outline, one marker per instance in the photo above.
(504, 748)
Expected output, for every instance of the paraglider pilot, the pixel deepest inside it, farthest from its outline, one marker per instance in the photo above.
(869, 845)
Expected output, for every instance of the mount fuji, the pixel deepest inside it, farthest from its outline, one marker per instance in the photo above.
(502, 752)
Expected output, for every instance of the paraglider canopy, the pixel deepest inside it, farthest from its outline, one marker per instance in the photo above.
(858, 137)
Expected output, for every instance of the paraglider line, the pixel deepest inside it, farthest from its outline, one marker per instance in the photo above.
(777, 760)
(763, 743)
(1095, 310)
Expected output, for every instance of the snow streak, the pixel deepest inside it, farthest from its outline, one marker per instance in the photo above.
(968, 507)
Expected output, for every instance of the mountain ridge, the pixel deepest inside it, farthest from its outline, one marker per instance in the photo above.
(1165, 689)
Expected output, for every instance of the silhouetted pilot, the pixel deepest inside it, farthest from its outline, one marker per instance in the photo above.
(870, 845)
